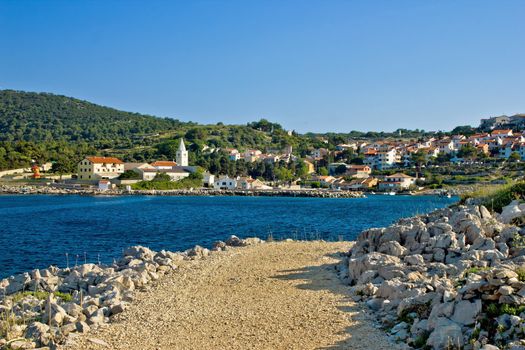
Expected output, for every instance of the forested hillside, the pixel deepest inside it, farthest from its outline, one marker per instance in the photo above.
(46, 127)
(40, 117)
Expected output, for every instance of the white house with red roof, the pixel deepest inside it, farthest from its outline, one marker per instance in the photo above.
(398, 181)
(98, 168)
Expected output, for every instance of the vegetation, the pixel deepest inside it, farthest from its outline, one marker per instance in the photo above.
(521, 274)
(41, 295)
(45, 127)
(496, 197)
(162, 181)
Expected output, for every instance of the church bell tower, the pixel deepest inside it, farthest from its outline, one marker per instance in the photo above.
(182, 154)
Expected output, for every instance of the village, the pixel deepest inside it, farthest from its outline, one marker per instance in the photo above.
(389, 166)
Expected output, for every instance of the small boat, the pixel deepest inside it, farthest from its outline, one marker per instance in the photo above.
(372, 192)
(391, 193)
(449, 195)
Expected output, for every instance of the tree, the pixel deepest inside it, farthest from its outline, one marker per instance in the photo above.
(418, 158)
(162, 177)
(468, 151)
(322, 171)
(341, 169)
(514, 157)
(129, 175)
(301, 170)
(63, 166)
(284, 174)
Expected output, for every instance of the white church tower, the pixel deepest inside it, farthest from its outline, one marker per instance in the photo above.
(182, 154)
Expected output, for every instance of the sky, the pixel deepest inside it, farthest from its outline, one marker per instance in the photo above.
(310, 65)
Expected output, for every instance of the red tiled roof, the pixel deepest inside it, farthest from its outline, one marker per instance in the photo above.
(99, 160)
(164, 163)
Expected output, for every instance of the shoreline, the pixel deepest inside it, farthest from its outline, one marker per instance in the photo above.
(51, 190)
(300, 193)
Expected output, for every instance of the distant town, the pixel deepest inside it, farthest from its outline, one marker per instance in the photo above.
(384, 165)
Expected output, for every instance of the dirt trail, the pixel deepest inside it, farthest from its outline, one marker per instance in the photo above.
(270, 296)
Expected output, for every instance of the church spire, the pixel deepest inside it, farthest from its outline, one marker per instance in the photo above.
(182, 146)
(182, 154)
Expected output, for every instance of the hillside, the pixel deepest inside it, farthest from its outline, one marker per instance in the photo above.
(41, 117)
(46, 127)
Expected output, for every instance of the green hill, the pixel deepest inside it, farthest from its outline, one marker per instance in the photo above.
(41, 117)
(46, 127)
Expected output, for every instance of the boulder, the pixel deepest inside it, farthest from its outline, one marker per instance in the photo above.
(447, 335)
(39, 333)
(392, 248)
(465, 312)
(235, 241)
(415, 259)
(371, 261)
(511, 212)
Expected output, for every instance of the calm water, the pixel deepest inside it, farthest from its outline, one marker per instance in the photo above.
(37, 231)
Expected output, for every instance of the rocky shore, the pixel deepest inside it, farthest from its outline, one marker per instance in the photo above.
(452, 279)
(41, 309)
(28, 190)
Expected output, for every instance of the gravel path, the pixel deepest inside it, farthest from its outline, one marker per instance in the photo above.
(269, 296)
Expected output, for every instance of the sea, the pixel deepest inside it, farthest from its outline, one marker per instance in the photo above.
(37, 231)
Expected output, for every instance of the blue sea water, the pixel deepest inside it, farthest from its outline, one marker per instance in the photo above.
(38, 231)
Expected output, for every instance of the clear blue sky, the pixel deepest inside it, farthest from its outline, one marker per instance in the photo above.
(311, 65)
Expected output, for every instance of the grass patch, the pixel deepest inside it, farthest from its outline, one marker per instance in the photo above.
(40, 295)
(497, 196)
(521, 273)
(421, 341)
(476, 270)
(495, 310)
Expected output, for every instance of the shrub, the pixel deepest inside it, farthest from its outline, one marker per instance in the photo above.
(496, 197)
(521, 273)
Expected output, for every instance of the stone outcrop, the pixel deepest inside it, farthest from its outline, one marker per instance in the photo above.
(451, 279)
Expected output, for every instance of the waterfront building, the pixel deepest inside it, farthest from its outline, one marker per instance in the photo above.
(398, 181)
(225, 183)
(97, 168)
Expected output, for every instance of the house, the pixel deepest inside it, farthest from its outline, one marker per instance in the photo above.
(502, 132)
(325, 180)
(134, 166)
(319, 153)
(225, 183)
(175, 174)
(356, 184)
(104, 185)
(97, 168)
(252, 155)
(358, 171)
(398, 181)
(446, 146)
(247, 183)
(344, 147)
(386, 159)
(233, 154)
(310, 167)
(208, 179)
(163, 164)
(483, 147)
